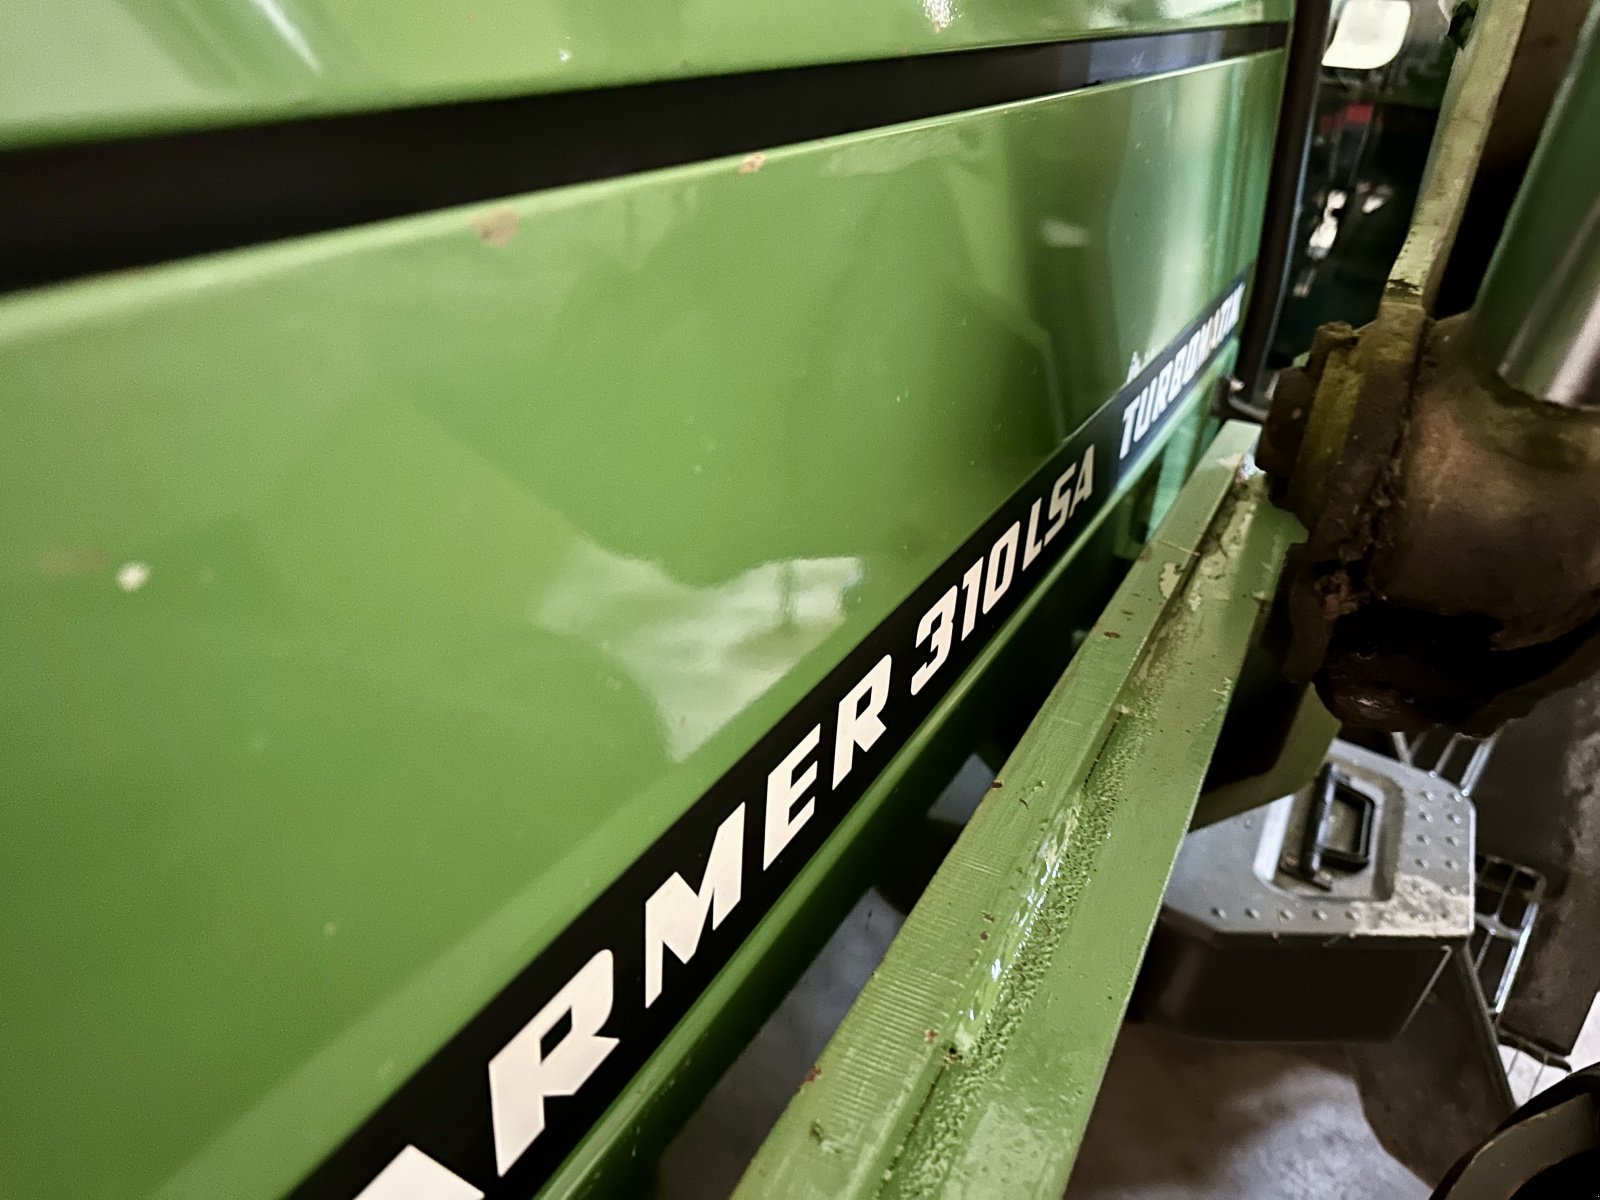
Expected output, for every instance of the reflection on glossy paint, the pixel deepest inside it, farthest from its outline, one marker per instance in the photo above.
(100, 67)
(1064, 235)
(385, 465)
(903, 149)
(702, 654)
(289, 32)
(1179, 10)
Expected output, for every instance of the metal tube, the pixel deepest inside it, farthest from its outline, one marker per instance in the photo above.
(1537, 316)
(1303, 73)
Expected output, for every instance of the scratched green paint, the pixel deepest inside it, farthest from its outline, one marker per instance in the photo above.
(373, 599)
(969, 1065)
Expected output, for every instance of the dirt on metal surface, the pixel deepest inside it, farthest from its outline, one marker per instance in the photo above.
(1013, 959)
(1451, 575)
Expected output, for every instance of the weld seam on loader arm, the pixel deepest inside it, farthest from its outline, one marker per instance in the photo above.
(1024, 946)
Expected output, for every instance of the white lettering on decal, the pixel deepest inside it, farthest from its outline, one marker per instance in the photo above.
(971, 584)
(1085, 487)
(1163, 389)
(935, 628)
(1031, 545)
(521, 1075)
(860, 726)
(783, 792)
(676, 914)
(1129, 414)
(1142, 413)
(1141, 424)
(412, 1175)
(1002, 566)
(1060, 502)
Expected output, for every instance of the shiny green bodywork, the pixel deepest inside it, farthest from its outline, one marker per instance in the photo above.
(95, 68)
(372, 599)
(970, 1063)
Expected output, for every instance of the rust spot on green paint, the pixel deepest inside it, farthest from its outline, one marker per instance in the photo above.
(496, 227)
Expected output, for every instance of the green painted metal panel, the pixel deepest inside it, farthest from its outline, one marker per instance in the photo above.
(374, 599)
(72, 69)
(987, 708)
(969, 1065)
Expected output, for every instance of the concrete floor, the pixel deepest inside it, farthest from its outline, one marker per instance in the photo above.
(1178, 1118)
(1181, 1119)
(710, 1154)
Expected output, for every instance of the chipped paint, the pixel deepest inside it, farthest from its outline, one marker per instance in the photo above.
(132, 576)
(497, 226)
(1171, 577)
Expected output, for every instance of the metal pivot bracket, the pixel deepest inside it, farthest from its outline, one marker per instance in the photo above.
(1452, 575)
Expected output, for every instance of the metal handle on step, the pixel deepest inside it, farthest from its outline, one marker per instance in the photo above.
(1315, 854)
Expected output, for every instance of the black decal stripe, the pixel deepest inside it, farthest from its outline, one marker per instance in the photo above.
(444, 1109)
(76, 210)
